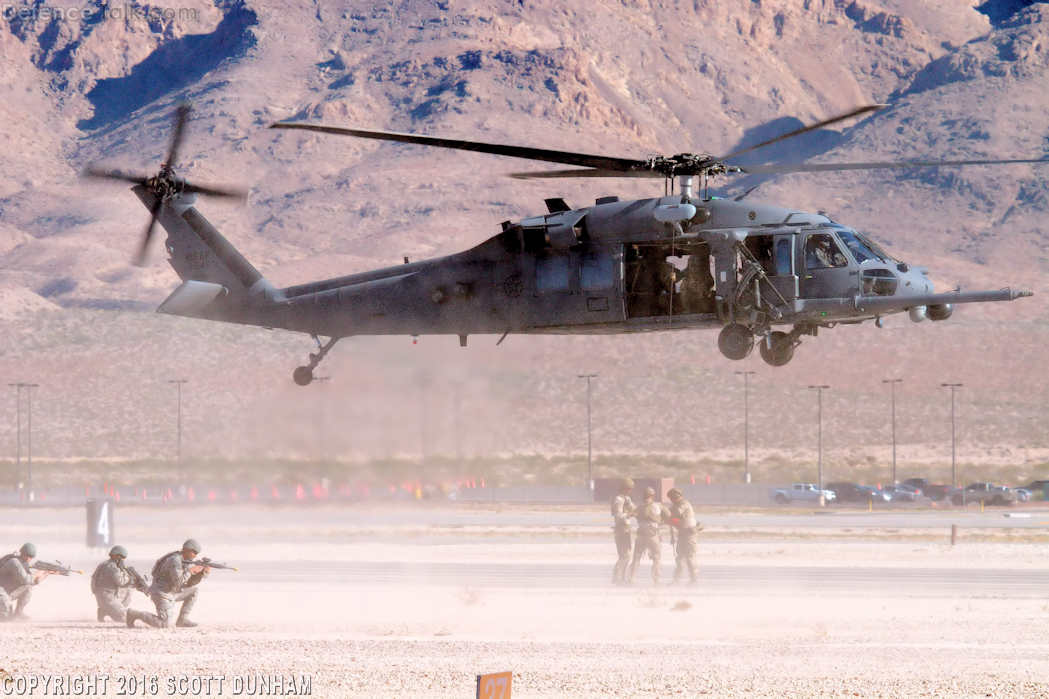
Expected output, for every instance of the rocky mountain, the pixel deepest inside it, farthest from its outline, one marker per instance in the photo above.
(619, 78)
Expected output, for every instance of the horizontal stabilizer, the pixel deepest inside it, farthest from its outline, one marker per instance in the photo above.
(190, 297)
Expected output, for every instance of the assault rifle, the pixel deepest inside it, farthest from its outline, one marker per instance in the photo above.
(137, 579)
(55, 568)
(208, 563)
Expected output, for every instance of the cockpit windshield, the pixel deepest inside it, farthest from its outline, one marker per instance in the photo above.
(859, 248)
(878, 250)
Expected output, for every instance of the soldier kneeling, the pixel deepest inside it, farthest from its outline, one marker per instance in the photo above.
(174, 581)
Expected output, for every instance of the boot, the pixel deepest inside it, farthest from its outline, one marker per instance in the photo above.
(101, 615)
(185, 623)
(132, 617)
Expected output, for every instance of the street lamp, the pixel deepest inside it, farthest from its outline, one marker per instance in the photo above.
(181, 475)
(589, 440)
(819, 462)
(18, 411)
(892, 384)
(746, 429)
(953, 386)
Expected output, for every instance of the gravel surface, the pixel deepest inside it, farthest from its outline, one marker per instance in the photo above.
(416, 639)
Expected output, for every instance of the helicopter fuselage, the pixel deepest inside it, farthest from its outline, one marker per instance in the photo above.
(664, 263)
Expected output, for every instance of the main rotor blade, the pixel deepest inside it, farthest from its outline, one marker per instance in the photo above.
(807, 129)
(833, 167)
(562, 174)
(100, 174)
(143, 249)
(181, 116)
(214, 192)
(549, 156)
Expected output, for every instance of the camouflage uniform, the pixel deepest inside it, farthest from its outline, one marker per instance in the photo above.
(649, 518)
(16, 587)
(622, 510)
(172, 583)
(113, 588)
(683, 519)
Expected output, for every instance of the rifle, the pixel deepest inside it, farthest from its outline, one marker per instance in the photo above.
(208, 563)
(137, 579)
(55, 568)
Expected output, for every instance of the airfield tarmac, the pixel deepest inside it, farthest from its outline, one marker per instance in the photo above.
(394, 601)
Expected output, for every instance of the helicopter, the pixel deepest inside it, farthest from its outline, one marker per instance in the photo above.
(684, 260)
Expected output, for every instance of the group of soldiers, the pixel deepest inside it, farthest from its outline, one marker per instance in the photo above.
(176, 577)
(651, 516)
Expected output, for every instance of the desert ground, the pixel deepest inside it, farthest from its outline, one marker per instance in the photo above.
(416, 601)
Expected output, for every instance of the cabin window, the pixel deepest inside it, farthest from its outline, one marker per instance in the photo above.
(782, 257)
(551, 273)
(597, 270)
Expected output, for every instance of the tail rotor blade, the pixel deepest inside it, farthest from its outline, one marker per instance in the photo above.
(215, 192)
(98, 173)
(143, 250)
(181, 116)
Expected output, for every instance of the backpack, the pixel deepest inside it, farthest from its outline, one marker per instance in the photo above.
(95, 589)
(160, 562)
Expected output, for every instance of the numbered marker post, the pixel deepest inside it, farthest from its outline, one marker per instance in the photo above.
(494, 686)
(99, 523)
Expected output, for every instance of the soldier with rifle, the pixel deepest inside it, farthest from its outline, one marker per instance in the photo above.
(176, 578)
(650, 517)
(622, 510)
(113, 583)
(17, 581)
(683, 520)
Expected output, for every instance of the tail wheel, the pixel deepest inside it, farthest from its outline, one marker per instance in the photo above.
(957, 500)
(303, 376)
(997, 500)
(736, 341)
(778, 349)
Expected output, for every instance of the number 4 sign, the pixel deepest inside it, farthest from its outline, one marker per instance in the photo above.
(494, 686)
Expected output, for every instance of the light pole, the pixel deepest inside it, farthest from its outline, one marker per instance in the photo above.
(746, 427)
(181, 475)
(589, 440)
(892, 384)
(18, 412)
(953, 386)
(819, 462)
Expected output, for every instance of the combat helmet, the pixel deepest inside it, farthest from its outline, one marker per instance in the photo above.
(118, 551)
(28, 549)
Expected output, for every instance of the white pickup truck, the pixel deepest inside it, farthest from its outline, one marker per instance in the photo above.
(801, 492)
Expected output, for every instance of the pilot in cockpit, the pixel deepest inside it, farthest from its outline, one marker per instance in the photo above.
(821, 252)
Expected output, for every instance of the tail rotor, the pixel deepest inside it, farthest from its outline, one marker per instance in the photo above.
(165, 185)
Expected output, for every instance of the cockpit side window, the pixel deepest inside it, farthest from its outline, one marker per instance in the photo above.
(822, 252)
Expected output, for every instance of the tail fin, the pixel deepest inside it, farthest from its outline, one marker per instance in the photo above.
(208, 265)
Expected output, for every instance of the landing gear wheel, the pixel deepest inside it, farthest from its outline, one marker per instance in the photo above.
(781, 350)
(736, 341)
(303, 376)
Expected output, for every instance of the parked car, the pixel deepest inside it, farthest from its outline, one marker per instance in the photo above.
(804, 492)
(847, 492)
(902, 493)
(987, 493)
(874, 494)
(1036, 485)
(933, 491)
(1022, 494)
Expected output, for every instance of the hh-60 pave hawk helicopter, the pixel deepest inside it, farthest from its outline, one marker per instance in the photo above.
(672, 262)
